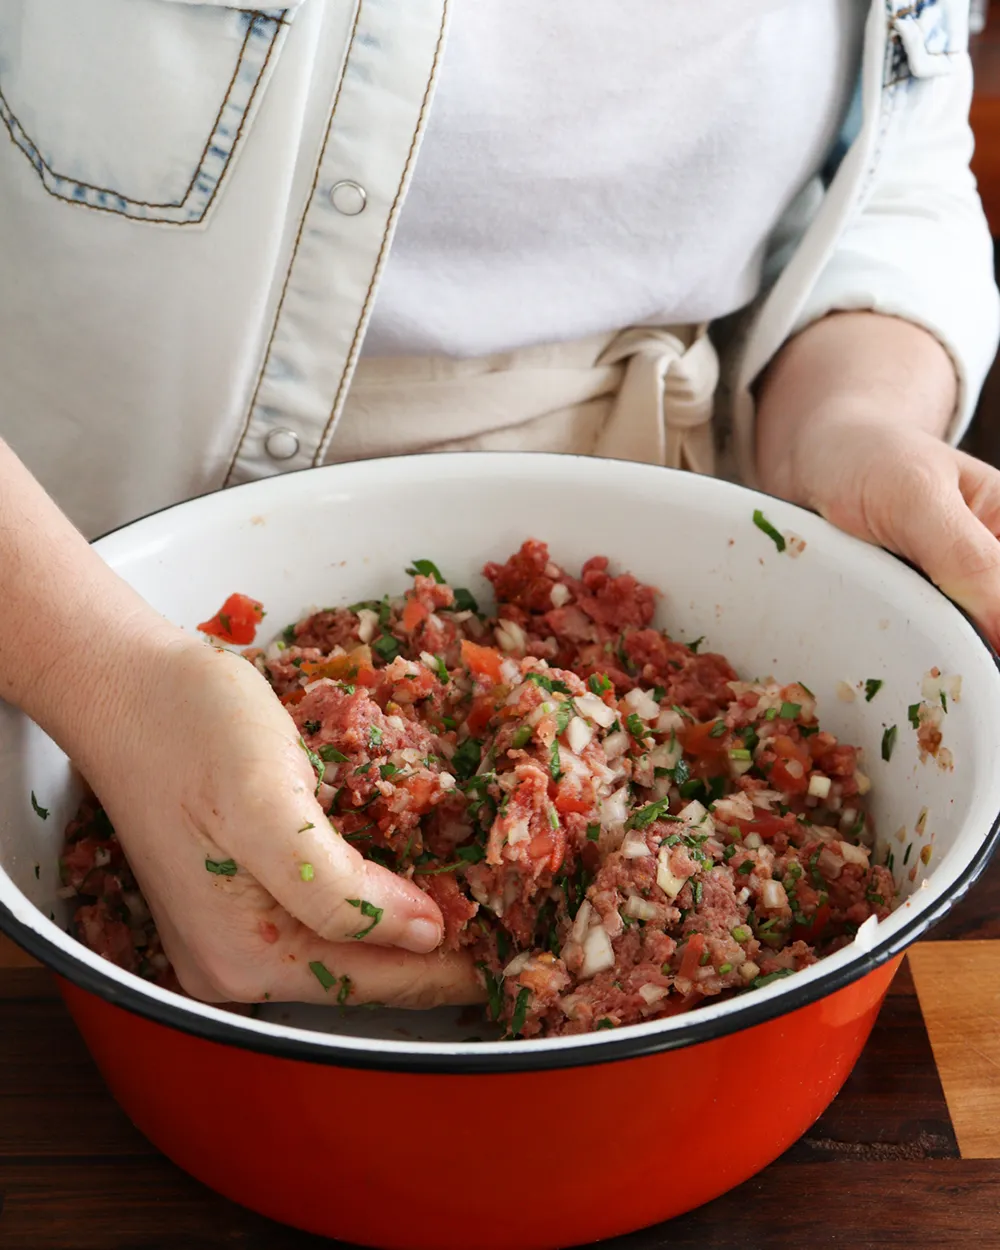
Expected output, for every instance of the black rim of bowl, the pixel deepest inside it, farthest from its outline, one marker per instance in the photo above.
(485, 1059)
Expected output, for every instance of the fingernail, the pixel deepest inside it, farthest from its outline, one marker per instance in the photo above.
(421, 936)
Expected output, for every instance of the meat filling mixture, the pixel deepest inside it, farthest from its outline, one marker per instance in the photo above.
(613, 824)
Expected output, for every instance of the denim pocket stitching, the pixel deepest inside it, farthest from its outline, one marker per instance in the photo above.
(204, 185)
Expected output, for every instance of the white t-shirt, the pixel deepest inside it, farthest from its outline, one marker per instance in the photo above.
(622, 163)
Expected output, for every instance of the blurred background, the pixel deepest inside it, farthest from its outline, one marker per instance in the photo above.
(984, 436)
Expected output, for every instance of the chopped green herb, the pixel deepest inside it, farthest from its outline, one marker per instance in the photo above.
(384, 612)
(605, 1022)
(41, 812)
(564, 714)
(331, 755)
(659, 693)
(693, 646)
(906, 857)
(473, 853)
(344, 993)
(730, 851)
(306, 828)
(386, 646)
(814, 872)
(746, 868)
(520, 1012)
(913, 715)
(442, 670)
(681, 712)
(758, 983)
(375, 736)
(636, 728)
(387, 770)
(944, 700)
(494, 991)
(426, 568)
(771, 714)
(789, 711)
(449, 722)
(312, 726)
(370, 604)
(369, 910)
(872, 686)
(307, 872)
(741, 933)
(888, 742)
(288, 635)
(424, 871)
(316, 762)
(765, 527)
(624, 656)
(466, 759)
(222, 867)
(363, 769)
(696, 892)
(323, 975)
(547, 683)
(807, 731)
(652, 811)
(718, 729)
(465, 601)
(598, 683)
(806, 689)
(593, 833)
(522, 736)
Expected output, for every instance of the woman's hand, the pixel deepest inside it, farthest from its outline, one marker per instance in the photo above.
(197, 763)
(255, 895)
(850, 420)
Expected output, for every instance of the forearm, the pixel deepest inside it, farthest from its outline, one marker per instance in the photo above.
(70, 628)
(846, 371)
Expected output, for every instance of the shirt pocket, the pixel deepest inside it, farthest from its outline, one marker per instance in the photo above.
(924, 38)
(135, 107)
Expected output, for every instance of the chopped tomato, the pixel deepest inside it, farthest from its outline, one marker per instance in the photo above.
(413, 614)
(569, 800)
(236, 621)
(691, 959)
(813, 931)
(699, 740)
(790, 771)
(482, 661)
(765, 825)
(419, 789)
(293, 697)
(481, 714)
(356, 666)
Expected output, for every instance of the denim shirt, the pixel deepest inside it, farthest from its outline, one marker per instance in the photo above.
(197, 201)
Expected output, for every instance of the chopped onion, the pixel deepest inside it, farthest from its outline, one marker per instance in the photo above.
(854, 854)
(743, 895)
(640, 908)
(367, 624)
(66, 891)
(753, 841)
(666, 879)
(517, 964)
(749, 970)
(735, 807)
(819, 786)
(830, 864)
(595, 709)
(578, 734)
(845, 692)
(643, 704)
(739, 767)
(665, 755)
(614, 809)
(651, 994)
(510, 637)
(582, 922)
(848, 819)
(773, 895)
(598, 953)
(634, 846)
(560, 595)
(539, 713)
(764, 799)
(669, 721)
(509, 671)
(862, 782)
(693, 814)
(867, 930)
(447, 781)
(794, 769)
(616, 744)
(518, 833)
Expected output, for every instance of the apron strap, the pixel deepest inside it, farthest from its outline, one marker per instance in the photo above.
(663, 411)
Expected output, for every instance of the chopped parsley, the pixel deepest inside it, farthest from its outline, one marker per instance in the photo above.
(306, 828)
(426, 568)
(746, 868)
(465, 601)
(522, 736)
(384, 612)
(344, 992)
(370, 911)
(913, 715)
(944, 700)
(41, 812)
(466, 759)
(659, 693)
(222, 867)
(323, 975)
(555, 768)
(598, 683)
(636, 728)
(888, 742)
(605, 1022)
(473, 853)
(288, 635)
(872, 686)
(374, 736)
(696, 892)
(441, 669)
(307, 872)
(906, 857)
(758, 983)
(765, 527)
(331, 755)
(363, 769)
(682, 712)
(494, 991)
(520, 1012)
(548, 683)
(387, 770)
(386, 646)
(316, 762)
(789, 711)
(593, 833)
(693, 646)
(312, 726)
(652, 811)
(718, 729)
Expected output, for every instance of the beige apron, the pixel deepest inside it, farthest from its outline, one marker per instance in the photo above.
(641, 394)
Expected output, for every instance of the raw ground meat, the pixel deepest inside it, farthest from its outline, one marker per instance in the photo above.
(614, 824)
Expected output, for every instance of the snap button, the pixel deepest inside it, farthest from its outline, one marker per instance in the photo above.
(281, 444)
(348, 197)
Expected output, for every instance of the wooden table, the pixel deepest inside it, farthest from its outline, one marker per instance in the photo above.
(908, 1155)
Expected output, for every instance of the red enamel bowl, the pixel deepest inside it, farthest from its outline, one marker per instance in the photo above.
(400, 1130)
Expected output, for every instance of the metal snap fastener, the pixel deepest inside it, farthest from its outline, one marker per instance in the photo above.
(348, 197)
(281, 444)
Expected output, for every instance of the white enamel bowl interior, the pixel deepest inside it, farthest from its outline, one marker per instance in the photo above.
(839, 612)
